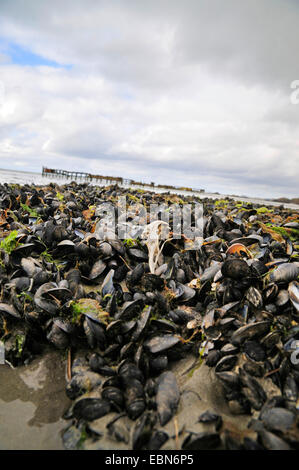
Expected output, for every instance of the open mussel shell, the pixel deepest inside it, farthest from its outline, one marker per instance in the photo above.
(142, 324)
(64, 248)
(226, 363)
(79, 233)
(254, 296)
(247, 241)
(285, 272)
(238, 249)
(97, 269)
(127, 327)
(210, 272)
(130, 310)
(282, 298)
(271, 292)
(293, 291)
(167, 270)
(184, 293)
(161, 325)
(29, 265)
(114, 328)
(293, 224)
(160, 344)
(9, 310)
(127, 350)
(20, 284)
(25, 250)
(49, 306)
(105, 250)
(250, 331)
(270, 340)
(289, 247)
(117, 245)
(228, 349)
(60, 293)
(107, 286)
(137, 254)
(180, 316)
(64, 324)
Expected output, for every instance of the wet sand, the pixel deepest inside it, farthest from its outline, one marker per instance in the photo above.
(32, 402)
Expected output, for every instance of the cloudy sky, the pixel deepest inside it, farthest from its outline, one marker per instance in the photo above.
(193, 92)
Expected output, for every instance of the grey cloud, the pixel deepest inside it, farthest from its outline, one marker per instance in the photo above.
(196, 93)
(138, 41)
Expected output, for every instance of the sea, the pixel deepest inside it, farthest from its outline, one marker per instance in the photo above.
(24, 177)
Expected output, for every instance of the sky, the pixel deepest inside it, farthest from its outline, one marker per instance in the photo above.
(195, 93)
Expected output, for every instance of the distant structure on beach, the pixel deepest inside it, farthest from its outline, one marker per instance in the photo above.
(80, 175)
(75, 175)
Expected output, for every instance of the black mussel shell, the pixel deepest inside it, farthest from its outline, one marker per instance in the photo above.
(91, 408)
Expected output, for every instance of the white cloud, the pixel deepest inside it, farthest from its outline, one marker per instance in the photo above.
(191, 94)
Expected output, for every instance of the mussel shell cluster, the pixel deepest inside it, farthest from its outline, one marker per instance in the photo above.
(232, 303)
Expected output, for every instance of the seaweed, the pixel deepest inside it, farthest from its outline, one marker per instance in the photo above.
(10, 242)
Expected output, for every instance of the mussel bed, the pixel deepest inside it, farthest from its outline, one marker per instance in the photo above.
(123, 319)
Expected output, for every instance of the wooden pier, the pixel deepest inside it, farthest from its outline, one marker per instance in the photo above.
(108, 180)
(75, 175)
